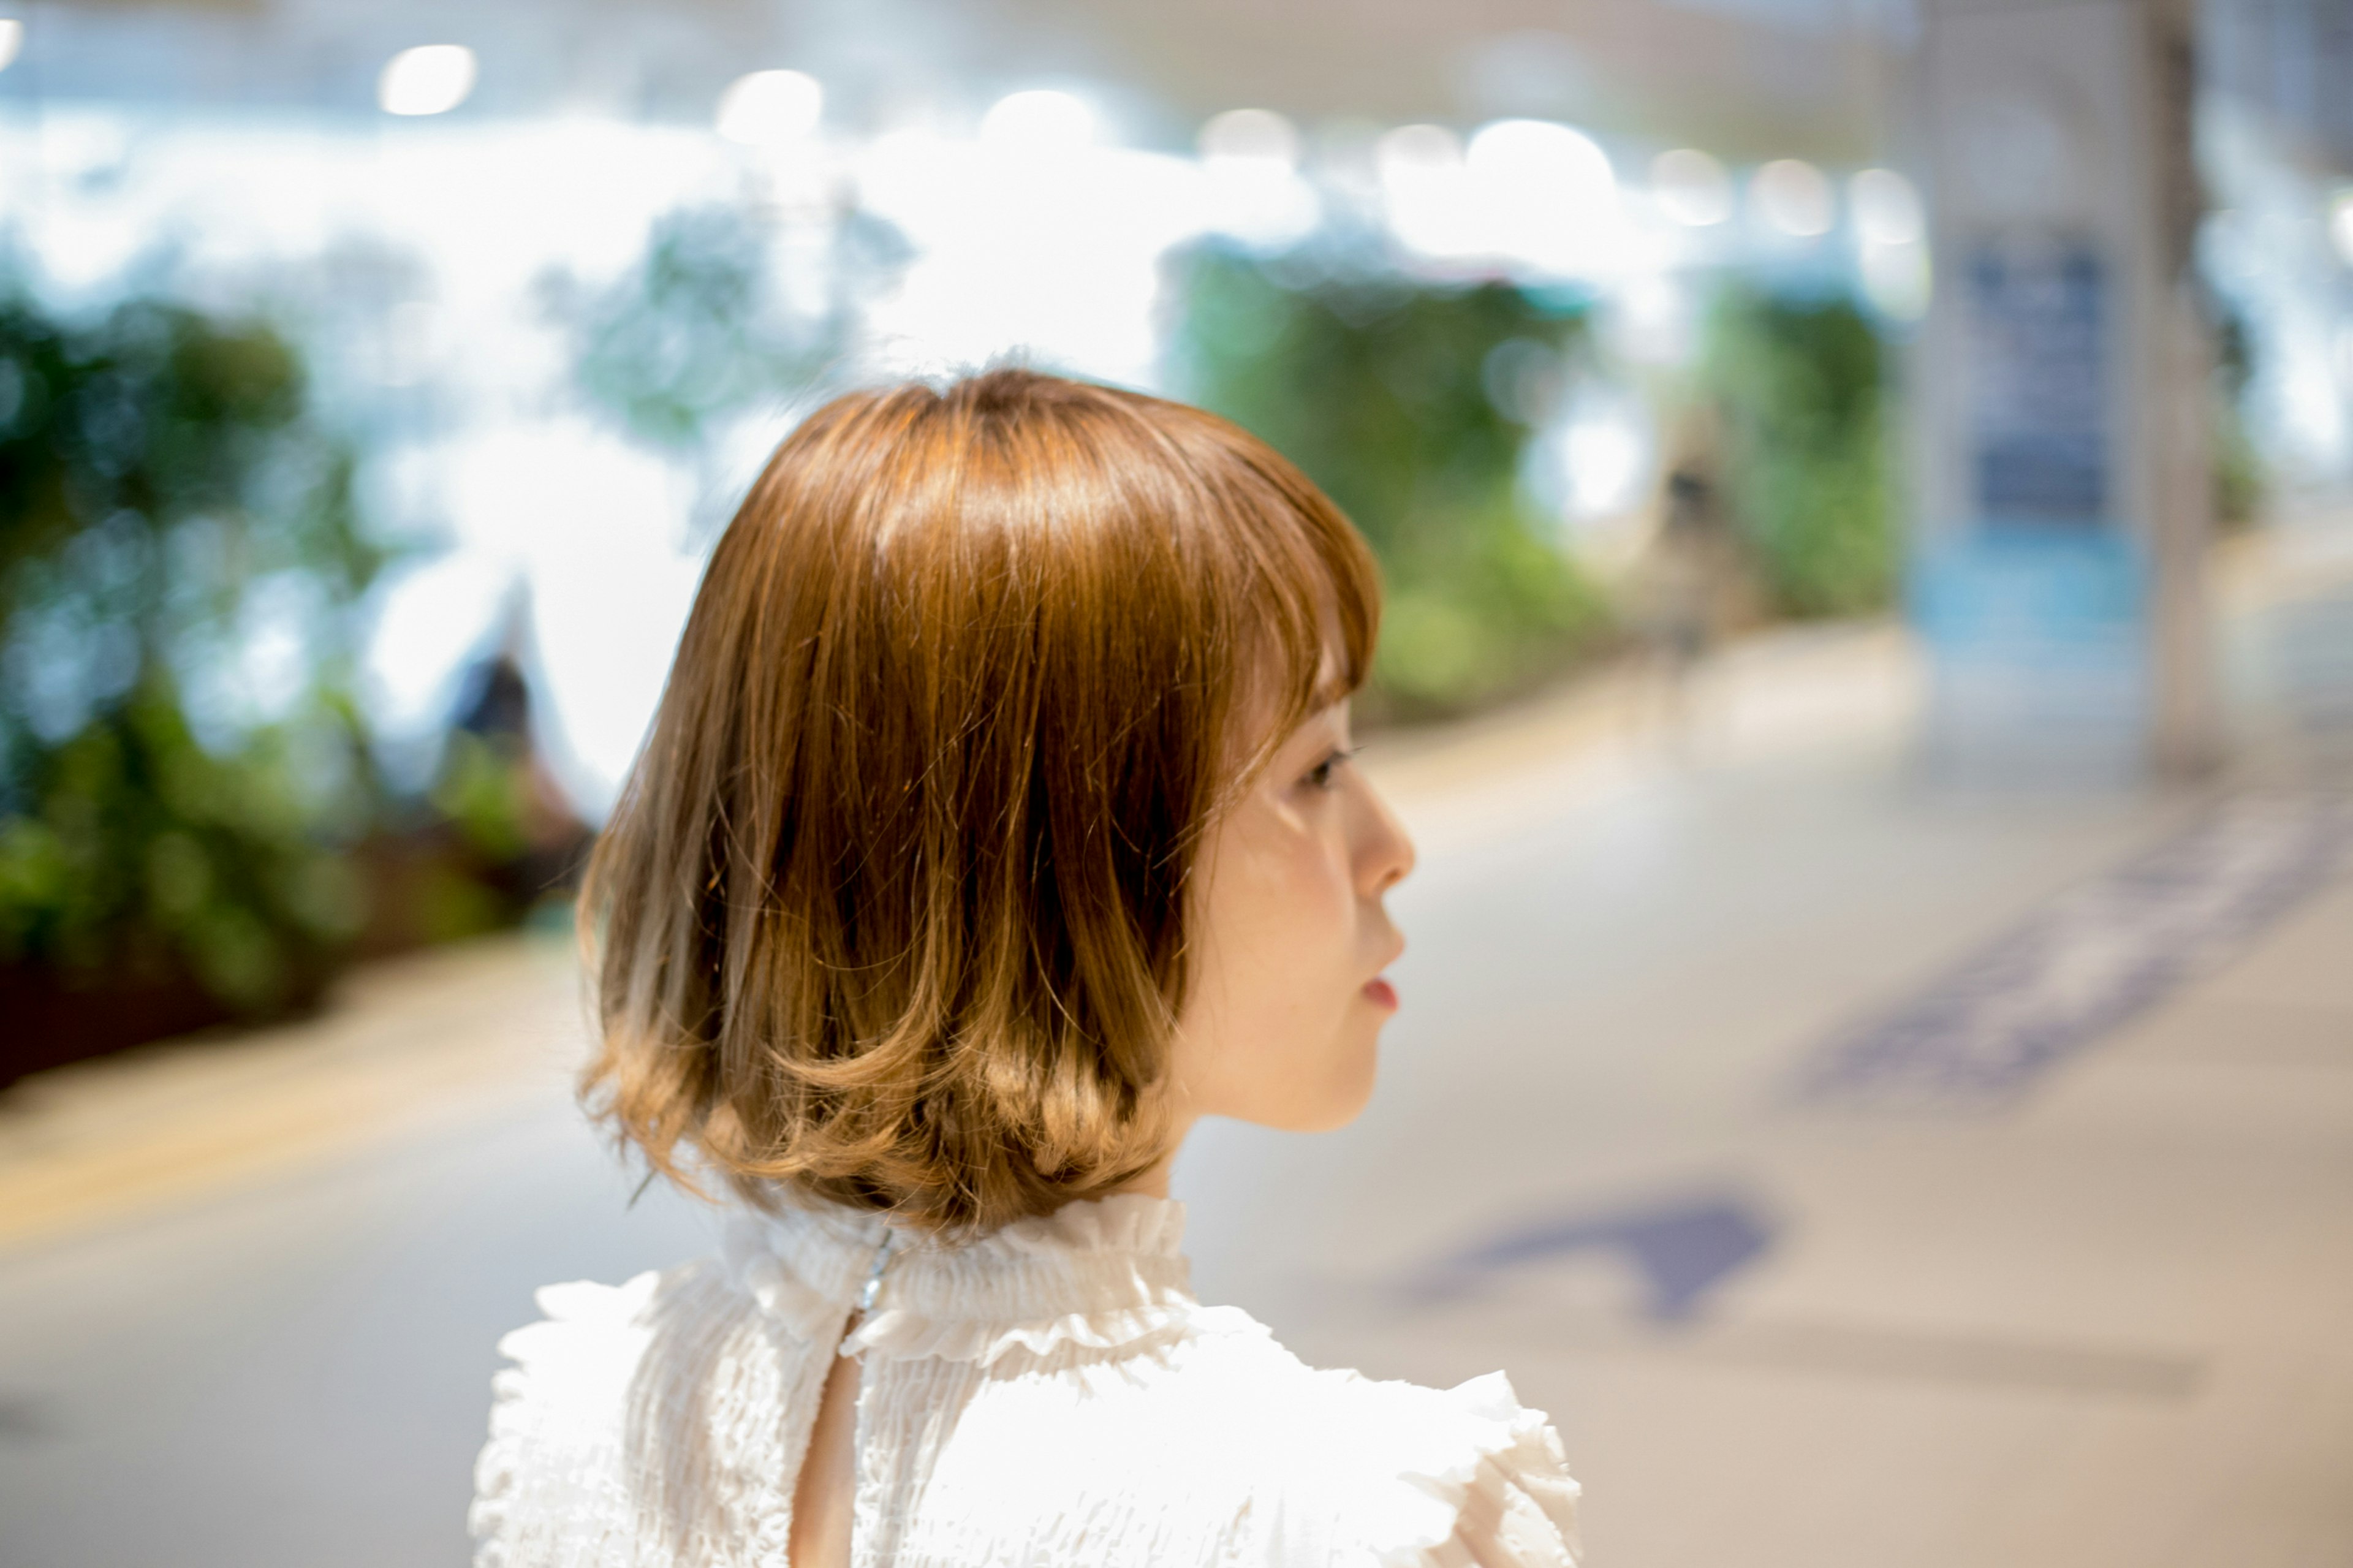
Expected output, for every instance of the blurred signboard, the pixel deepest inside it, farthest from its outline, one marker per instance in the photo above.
(2039, 635)
(2036, 608)
(2057, 543)
(2040, 414)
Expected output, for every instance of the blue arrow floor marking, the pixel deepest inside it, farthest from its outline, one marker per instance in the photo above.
(1682, 1248)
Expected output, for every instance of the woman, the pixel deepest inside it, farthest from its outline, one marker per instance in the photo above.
(996, 825)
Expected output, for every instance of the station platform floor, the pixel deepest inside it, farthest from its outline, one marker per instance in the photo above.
(1859, 1173)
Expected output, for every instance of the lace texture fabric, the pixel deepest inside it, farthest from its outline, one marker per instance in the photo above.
(1049, 1395)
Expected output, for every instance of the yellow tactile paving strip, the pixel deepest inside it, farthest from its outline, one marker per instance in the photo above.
(403, 1045)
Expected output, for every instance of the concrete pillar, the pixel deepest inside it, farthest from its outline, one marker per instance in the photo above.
(2061, 498)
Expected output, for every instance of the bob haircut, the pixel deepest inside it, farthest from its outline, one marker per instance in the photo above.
(891, 910)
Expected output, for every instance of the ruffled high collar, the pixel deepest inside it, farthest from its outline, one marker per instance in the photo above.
(1103, 1273)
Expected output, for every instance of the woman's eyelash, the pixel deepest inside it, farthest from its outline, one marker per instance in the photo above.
(1319, 775)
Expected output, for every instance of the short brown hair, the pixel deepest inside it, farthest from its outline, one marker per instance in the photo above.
(891, 908)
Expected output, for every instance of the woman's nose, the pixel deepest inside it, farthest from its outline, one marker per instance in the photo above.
(1385, 854)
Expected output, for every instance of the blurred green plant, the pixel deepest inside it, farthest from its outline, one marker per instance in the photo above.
(1410, 403)
(725, 314)
(1801, 388)
(182, 771)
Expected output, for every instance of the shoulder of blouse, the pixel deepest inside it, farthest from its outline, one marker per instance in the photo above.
(1413, 1477)
(1333, 1466)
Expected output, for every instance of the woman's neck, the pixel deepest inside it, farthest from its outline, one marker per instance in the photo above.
(1153, 1180)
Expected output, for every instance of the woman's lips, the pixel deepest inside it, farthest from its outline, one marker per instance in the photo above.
(1378, 991)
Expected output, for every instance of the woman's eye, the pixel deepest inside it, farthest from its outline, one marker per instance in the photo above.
(1319, 775)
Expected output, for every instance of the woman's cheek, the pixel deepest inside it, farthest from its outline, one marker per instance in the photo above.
(1312, 872)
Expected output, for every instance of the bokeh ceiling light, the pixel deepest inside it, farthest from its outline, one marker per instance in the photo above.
(1252, 188)
(1886, 209)
(1691, 187)
(1423, 191)
(431, 79)
(2340, 223)
(769, 108)
(1251, 135)
(1544, 195)
(1532, 193)
(1794, 197)
(1542, 161)
(1411, 150)
(12, 41)
(1039, 118)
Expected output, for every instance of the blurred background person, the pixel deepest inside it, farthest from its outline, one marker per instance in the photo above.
(1681, 594)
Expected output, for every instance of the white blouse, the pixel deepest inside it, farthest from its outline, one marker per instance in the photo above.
(1050, 1395)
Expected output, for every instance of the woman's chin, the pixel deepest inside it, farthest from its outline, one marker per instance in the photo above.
(1348, 1094)
(1289, 1092)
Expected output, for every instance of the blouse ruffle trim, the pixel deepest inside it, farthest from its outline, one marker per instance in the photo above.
(1124, 1222)
(1121, 1253)
(803, 1310)
(567, 1350)
(895, 1334)
(1490, 1486)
